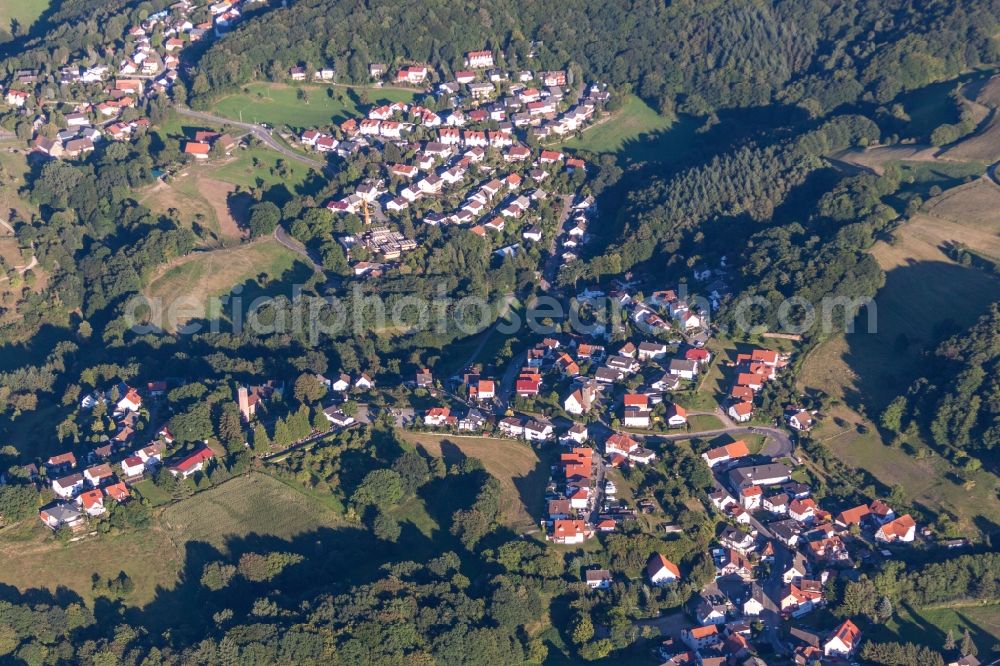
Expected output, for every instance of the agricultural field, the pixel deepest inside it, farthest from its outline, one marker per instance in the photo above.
(279, 104)
(516, 465)
(633, 129)
(23, 12)
(203, 275)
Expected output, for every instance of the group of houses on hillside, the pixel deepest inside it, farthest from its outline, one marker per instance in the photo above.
(114, 89)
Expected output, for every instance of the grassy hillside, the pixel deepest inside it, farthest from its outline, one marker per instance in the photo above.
(633, 128)
(522, 474)
(927, 296)
(253, 504)
(201, 276)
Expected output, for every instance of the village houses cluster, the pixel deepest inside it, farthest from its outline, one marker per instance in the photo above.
(82, 481)
(473, 149)
(106, 96)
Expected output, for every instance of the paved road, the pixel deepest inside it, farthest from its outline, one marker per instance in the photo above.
(779, 443)
(551, 267)
(264, 135)
(295, 246)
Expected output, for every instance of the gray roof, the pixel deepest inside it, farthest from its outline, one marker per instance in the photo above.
(64, 513)
(753, 474)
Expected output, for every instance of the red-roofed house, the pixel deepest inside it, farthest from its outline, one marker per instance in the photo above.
(843, 641)
(92, 502)
(118, 492)
(699, 638)
(902, 529)
(550, 157)
(484, 389)
(437, 416)
(479, 59)
(853, 516)
(741, 412)
(191, 463)
(570, 531)
(197, 149)
(676, 416)
(750, 497)
(528, 385)
(661, 571)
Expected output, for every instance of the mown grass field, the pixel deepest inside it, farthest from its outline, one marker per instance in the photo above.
(929, 626)
(25, 12)
(201, 276)
(632, 127)
(516, 465)
(252, 504)
(249, 165)
(278, 103)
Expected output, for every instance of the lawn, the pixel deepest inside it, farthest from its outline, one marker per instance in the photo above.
(201, 276)
(25, 12)
(249, 165)
(279, 104)
(516, 465)
(702, 422)
(634, 128)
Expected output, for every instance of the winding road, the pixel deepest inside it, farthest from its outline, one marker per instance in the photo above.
(264, 135)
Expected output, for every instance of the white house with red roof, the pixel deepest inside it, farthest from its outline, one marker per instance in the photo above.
(192, 462)
(661, 571)
(676, 416)
(902, 529)
(843, 641)
(570, 531)
(479, 59)
(92, 502)
(741, 412)
(130, 402)
(437, 416)
(133, 467)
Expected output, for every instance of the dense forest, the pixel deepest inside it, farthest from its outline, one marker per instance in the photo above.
(816, 54)
(958, 401)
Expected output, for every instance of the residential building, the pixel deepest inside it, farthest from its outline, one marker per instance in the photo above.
(661, 571)
(598, 579)
(902, 529)
(843, 641)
